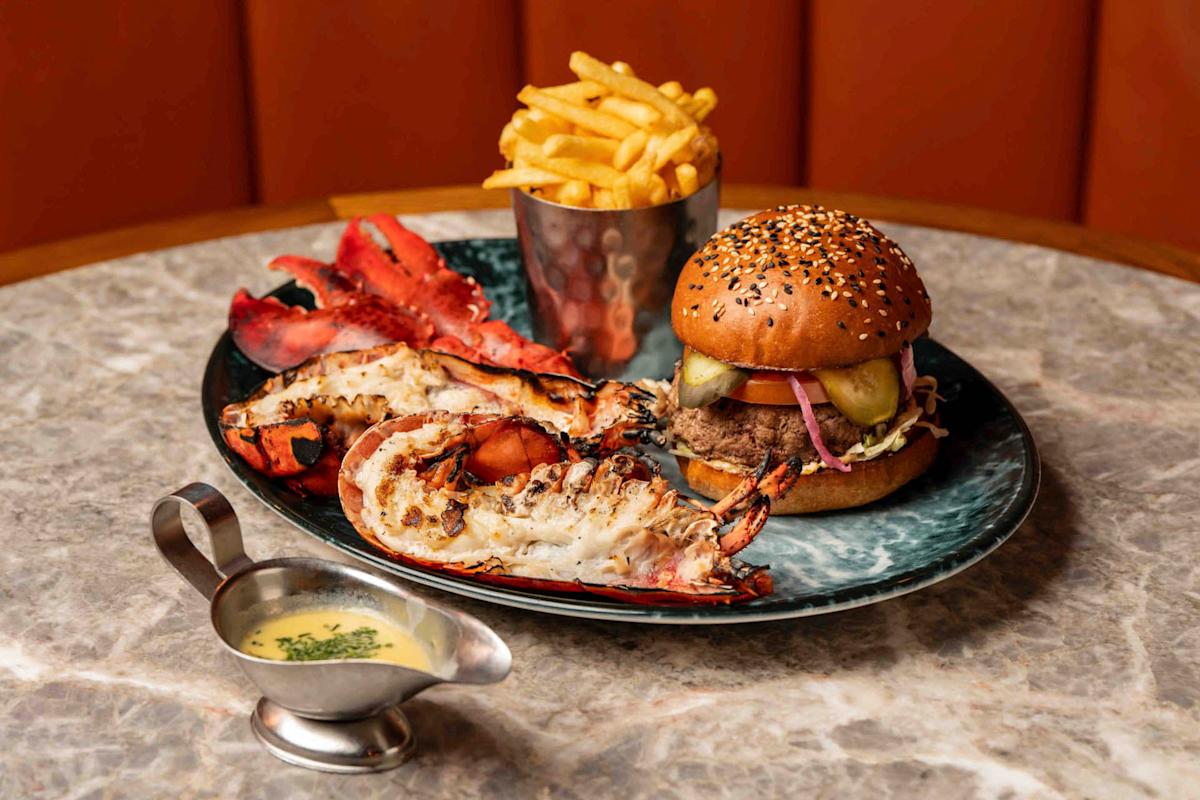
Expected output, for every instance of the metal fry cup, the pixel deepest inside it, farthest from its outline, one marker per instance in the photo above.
(599, 280)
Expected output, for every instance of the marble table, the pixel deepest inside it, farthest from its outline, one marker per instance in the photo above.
(1067, 664)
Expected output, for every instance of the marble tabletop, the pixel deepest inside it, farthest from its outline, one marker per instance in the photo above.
(1067, 664)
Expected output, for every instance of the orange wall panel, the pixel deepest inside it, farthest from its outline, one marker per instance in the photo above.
(973, 103)
(116, 113)
(360, 96)
(753, 60)
(1144, 160)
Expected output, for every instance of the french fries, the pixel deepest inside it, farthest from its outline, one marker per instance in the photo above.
(672, 89)
(589, 68)
(578, 93)
(587, 147)
(631, 111)
(670, 147)
(594, 173)
(527, 128)
(629, 150)
(580, 116)
(521, 178)
(685, 175)
(575, 193)
(608, 140)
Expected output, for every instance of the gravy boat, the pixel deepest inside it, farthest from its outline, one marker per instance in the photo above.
(334, 715)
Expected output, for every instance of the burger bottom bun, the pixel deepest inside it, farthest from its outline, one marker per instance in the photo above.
(827, 489)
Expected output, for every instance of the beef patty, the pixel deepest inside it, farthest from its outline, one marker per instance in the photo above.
(741, 433)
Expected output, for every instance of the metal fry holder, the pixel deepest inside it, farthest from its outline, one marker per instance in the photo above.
(333, 716)
(600, 280)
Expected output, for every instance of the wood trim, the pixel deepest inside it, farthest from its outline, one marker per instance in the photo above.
(43, 259)
(418, 201)
(46, 258)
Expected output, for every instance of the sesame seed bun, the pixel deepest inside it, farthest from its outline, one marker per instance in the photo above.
(827, 489)
(799, 287)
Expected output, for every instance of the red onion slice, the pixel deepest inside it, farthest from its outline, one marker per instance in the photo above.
(908, 370)
(814, 430)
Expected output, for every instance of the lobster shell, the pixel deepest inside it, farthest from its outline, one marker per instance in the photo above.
(755, 583)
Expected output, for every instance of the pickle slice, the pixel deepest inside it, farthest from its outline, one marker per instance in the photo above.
(700, 369)
(705, 380)
(867, 393)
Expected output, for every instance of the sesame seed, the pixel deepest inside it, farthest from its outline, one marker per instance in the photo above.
(862, 336)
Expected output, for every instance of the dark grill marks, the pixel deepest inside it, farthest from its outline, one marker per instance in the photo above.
(452, 518)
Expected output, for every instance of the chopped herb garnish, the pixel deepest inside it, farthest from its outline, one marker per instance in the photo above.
(358, 643)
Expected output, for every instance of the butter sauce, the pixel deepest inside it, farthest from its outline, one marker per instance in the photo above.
(334, 633)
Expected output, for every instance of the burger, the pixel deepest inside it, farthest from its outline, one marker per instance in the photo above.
(797, 325)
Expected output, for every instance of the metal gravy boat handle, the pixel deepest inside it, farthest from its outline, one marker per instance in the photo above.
(224, 534)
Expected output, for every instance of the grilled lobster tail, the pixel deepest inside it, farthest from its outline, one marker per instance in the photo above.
(300, 422)
(608, 527)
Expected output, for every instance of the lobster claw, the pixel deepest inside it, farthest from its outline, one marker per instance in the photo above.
(276, 336)
(412, 274)
(327, 286)
(374, 295)
(500, 344)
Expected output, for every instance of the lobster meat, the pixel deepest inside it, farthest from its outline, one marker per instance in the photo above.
(373, 295)
(300, 423)
(504, 501)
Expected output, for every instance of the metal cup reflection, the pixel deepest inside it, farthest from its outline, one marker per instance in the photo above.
(598, 279)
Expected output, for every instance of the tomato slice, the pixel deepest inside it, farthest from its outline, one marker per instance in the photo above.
(768, 388)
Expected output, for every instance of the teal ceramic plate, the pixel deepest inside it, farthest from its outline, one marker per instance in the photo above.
(976, 495)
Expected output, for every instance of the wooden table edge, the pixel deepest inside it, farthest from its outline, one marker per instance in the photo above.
(43, 259)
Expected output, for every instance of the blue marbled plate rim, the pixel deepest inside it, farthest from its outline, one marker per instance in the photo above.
(225, 358)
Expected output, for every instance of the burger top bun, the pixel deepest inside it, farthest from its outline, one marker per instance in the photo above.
(799, 287)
